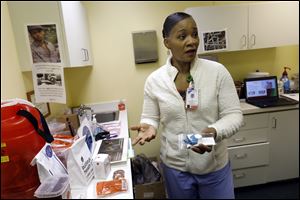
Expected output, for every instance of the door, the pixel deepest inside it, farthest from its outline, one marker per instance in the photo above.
(233, 19)
(76, 33)
(284, 145)
(273, 24)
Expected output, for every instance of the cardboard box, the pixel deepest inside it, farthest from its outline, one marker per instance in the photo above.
(150, 191)
(154, 190)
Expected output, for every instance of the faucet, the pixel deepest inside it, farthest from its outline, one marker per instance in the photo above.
(82, 112)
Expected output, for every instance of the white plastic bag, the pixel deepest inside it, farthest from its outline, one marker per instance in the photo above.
(48, 163)
(79, 164)
(85, 129)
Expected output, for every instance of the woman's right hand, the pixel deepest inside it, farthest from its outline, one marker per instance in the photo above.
(146, 133)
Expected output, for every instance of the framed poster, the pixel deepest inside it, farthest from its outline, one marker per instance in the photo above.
(214, 40)
(43, 107)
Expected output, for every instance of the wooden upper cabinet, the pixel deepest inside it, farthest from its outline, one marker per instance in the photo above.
(71, 26)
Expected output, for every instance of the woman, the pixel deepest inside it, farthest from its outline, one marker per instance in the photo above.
(213, 109)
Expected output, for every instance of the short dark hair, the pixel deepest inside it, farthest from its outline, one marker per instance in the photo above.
(171, 21)
(32, 28)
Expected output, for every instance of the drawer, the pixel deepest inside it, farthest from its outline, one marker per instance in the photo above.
(249, 155)
(255, 121)
(248, 137)
(249, 176)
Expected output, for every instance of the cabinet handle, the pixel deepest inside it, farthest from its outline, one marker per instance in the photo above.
(239, 156)
(83, 51)
(243, 124)
(244, 38)
(238, 176)
(274, 122)
(239, 139)
(253, 38)
(87, 55)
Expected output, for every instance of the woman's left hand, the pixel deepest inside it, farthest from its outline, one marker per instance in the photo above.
(201, 148)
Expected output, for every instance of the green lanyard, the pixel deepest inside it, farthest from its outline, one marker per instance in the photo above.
(189, 79)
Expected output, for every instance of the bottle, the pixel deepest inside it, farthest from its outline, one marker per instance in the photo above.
(280, 87)
(121, 105)
(285, 80)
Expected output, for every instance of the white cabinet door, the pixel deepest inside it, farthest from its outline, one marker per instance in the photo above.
(284, 145)
(217, 18)
(71, 27)
(76, 33)
(273, 24)
(250, 26)
(23, 14)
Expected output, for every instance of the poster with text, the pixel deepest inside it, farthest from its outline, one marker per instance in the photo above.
(49, 85)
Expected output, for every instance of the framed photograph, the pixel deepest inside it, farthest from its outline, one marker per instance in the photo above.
(43, 107)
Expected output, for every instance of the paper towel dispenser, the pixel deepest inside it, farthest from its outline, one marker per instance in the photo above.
(145, 46)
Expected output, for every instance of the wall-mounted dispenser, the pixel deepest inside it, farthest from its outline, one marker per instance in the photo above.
(145, 46)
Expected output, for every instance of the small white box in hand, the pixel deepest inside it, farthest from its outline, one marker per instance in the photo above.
(101, 164)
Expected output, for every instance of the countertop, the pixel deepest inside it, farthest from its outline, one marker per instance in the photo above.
(89, 192)
(250, 109)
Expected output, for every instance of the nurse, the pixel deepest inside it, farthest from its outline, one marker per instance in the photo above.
(189, 95)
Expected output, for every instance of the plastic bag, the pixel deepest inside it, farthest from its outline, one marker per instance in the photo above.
(144, 171)
(85, 129)
(61, 146)
(48, 164)
(104, 188)
(79, 164)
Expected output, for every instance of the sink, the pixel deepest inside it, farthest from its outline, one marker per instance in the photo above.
(107, 116)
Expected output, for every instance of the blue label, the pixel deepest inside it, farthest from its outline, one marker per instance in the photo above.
(88, 137)
(286, 85)
(49, 151)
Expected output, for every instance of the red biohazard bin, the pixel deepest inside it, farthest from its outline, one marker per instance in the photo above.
(20, 142)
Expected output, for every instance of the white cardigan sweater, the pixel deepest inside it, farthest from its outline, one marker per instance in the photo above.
(219, 107)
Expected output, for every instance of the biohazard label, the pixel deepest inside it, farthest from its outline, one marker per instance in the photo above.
(4, 159)
(4, 156)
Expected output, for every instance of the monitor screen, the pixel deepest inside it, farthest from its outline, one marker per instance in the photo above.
(261, 88)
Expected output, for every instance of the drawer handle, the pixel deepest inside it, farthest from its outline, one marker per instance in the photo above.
(274, 122)
(243, 124)
(238, 176)
(240, 156)
(239, 139)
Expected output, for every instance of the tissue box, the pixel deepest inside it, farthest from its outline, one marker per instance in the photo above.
(101, 165)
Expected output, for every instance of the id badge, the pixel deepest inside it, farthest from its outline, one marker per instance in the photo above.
(191, 97)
